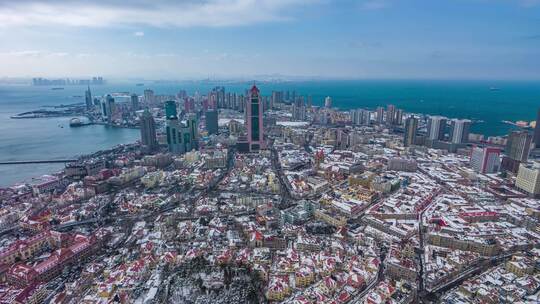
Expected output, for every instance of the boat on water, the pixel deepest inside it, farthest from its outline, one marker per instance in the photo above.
(494, 89)
(139, 84)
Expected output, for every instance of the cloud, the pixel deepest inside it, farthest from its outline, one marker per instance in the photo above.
(138, 34)
(374, 4)
(168, 13)
(34, 54)
(29, 53)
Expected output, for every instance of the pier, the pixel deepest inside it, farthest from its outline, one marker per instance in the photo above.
(23, 162)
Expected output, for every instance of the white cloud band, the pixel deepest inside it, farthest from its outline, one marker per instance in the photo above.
(208, 13)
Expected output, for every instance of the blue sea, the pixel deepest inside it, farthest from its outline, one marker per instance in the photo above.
(30, 139)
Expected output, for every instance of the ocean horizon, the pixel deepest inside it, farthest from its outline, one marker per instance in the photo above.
(484, 101)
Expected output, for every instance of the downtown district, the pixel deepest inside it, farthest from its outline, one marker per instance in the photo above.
(245, 198)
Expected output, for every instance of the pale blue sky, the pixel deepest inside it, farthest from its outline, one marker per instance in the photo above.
(242, 38)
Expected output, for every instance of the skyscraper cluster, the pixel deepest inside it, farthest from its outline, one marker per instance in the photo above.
(392, 117)
(360, 117)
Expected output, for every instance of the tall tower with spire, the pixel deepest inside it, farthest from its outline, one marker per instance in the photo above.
(254, 117)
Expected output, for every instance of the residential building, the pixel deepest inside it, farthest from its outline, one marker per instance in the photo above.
(411, 124)
(485, 160)
(390, 114)
(436, 127)
(380, 115)
(459, 130)
(518, 145)
(528, 178)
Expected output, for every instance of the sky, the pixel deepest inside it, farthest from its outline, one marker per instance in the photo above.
(343, 39)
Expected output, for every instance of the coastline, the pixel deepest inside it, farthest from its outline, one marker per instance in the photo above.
(30, 138)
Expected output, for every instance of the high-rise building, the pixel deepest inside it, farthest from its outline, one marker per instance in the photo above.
(360, 117)
(277, 98)
(190, 133)
(459, 131)
(174, 137)
(517, 150)
(134, 102)
(189, 105)
(148, 131)
(528, 178)
(299, 109)
(149, 97)
(518, 145)
(103, 107)
(411, 125)
(398, 120)
(355, 116)
(328, 102)
(88, 99)
(219, 93)
(254, 120)
(181, 94)
(366, 117)
(211, 121)
(266, 103)
(380, 115)
(537, 131)
(485, 160)
(181, 136)
(235, 127)
(110, 108)
(170, 110)
(436, 127)
(390, 114)
(212, 100)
